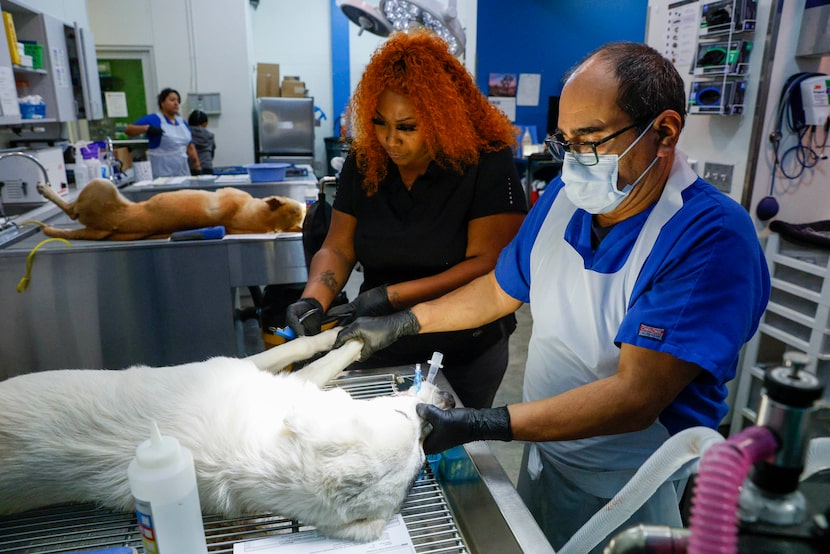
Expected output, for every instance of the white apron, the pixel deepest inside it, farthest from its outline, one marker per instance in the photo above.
(576, 316)
(170, 158)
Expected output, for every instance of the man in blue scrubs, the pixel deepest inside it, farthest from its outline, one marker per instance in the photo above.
(644, 283)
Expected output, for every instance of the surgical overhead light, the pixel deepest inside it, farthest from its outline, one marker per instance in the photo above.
(407, 15)
(412, 14)
(366, 17)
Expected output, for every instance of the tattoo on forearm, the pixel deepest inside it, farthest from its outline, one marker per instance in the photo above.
(327, 278)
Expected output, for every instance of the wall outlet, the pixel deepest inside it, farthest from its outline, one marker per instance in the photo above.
(719, 175)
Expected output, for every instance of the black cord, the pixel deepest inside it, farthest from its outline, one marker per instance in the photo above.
(805, 156)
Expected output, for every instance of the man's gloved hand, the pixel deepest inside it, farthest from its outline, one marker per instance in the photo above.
(304, 316)
(379, 332)
(462, 425)
(372, 303)
(153, 131)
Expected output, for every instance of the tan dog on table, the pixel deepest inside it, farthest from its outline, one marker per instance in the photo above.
(262, 440)
(107, 214)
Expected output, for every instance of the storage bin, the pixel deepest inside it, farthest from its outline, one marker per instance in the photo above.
(32, 111)
(267, 172)
(36, 52)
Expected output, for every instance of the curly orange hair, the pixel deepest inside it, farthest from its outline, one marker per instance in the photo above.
(457, 120)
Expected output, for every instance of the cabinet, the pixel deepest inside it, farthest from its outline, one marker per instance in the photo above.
(797, 318)
(68, 81)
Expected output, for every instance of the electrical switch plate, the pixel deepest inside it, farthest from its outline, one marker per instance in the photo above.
(719, 175)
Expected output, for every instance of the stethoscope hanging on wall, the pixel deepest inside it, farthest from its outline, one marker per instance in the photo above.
(805, 156)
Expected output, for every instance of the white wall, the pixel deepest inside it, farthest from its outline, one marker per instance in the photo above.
(216, 59)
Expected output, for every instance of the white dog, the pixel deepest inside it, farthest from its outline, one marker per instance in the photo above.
(261, 442)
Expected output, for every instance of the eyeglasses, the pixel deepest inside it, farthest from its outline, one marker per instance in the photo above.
(584, 152)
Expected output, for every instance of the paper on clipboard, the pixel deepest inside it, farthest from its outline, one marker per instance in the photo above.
(394, 540)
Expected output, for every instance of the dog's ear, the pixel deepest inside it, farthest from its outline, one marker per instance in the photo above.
(274, 202)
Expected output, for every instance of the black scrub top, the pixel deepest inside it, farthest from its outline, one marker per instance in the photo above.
(402, 235)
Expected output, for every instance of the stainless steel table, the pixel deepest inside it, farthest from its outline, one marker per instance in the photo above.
(468, 505)
(111, 304)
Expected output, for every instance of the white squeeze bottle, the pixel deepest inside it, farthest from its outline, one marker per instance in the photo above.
(163, 482)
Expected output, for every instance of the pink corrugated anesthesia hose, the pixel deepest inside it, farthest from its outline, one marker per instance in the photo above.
(723, 468)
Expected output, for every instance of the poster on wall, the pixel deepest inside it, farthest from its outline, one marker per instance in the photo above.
(116, 104)
(680, 39)
(502, 84)
(528, 92)
(505, 104)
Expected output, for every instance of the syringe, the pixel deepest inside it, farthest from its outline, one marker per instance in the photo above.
(434, 364)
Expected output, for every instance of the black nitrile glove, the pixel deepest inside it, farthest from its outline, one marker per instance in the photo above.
(462, 425)
(153, 131)
(379, 332)
(304, 316)
(372, 303)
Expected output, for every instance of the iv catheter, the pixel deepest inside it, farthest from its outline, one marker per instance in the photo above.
(416, 383)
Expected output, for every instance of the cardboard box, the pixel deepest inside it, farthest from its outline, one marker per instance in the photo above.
(292, 87)
(267, 79)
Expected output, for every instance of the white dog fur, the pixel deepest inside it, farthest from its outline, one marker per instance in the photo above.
(262, 441)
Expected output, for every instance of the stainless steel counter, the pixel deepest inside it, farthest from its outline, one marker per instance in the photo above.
(111, 304)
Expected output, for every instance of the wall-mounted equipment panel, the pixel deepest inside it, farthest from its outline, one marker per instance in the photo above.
(721, 64)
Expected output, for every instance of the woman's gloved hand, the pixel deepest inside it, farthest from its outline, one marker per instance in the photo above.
(372, 303)
(304, 316)
(153, 131)
(462, 425)
(379, 332)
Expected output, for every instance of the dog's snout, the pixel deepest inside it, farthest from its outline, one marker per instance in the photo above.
(445, 400)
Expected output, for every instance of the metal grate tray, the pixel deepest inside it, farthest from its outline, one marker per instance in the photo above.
(84, 527)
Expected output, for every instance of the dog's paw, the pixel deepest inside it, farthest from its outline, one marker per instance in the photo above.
(362, 530)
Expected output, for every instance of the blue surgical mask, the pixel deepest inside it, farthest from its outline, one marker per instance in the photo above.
(594, 188)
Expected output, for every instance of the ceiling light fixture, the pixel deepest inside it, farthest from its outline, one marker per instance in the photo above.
(366, 17)
(407, 15)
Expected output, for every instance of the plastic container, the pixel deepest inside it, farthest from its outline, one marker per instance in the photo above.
(163, 482)
(81, 175)
(93, 167)
(32, 111)
(267, 172)
(36, 52)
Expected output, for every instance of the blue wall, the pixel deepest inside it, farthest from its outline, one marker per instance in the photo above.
(549, 37)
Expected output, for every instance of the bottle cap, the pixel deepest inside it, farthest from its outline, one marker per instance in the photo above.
(158, 451)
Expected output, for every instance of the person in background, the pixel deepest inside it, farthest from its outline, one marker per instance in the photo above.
(644, 282)
(203, 141)
(427, 198)
(168, 136)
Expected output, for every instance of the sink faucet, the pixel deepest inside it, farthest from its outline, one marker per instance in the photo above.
(36, 162)
(110, 156)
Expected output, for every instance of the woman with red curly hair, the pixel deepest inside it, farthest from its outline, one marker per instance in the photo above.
(427, 198)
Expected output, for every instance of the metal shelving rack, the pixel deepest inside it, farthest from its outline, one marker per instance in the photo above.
(797, 318)
(725, 82)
